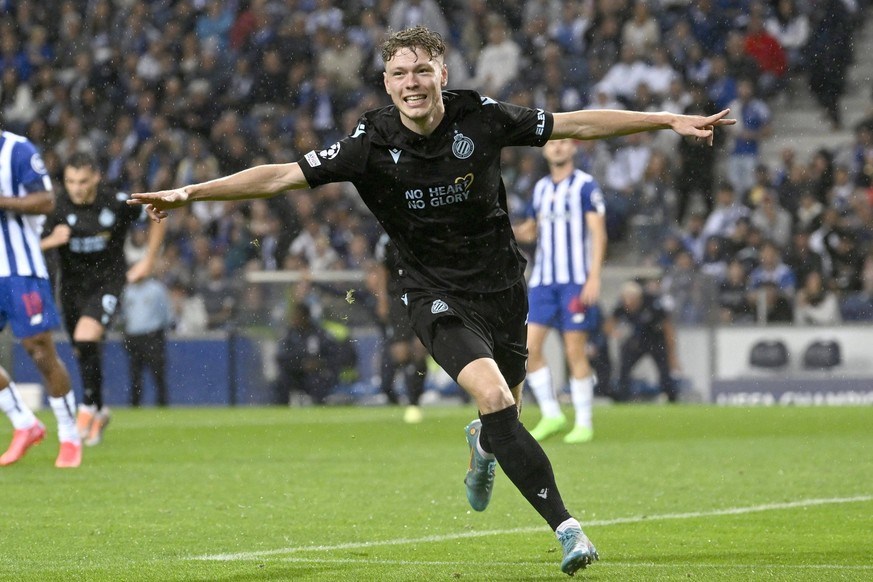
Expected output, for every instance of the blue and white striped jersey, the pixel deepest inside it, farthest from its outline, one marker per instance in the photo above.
(563, 252)
(21, 171)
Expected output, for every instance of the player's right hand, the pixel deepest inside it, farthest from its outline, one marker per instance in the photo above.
(60, 235)
(157, 203)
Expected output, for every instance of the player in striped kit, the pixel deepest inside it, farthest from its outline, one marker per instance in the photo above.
(26, 300)
(566, 217)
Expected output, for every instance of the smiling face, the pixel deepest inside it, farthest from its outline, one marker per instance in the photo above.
(414, 80)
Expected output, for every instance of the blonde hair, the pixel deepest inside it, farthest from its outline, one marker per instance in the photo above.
(417, 37)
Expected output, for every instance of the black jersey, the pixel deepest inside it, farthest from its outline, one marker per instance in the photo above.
(439, 197)
(95, 250)
(647, 322)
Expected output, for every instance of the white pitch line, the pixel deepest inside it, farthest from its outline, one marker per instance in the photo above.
(524, 530)
(608, 564)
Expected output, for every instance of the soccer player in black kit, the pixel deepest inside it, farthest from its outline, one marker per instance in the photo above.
(88, 227)
(428, 167)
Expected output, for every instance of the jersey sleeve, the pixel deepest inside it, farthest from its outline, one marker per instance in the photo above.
(30, 169)
(344, 161)
(517, 125)
(592, 199)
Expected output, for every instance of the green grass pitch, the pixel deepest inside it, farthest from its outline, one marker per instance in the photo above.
(666, 493)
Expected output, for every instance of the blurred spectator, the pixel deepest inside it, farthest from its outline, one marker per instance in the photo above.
(753, 126)
(773, 220)
(713, 262)
(16, 101)
(696, 160)
(643, 327)
(829, 53)
(859, 306)
(734, 298)
(725, 214)
(623, 176)
(308, 359)
(790, 28)
(683, 289)
(189, 310)
(769, 55)
(814, 304)
(623, 78)
(773, 306)
(721, 85)
(772, 270)
(146, 314)
(499, 61)
(407, 13)
(801, 258)
(641, 31)
(219, 296)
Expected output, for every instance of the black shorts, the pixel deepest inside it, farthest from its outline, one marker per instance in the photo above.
(399, 328)
(457, 328)
(95, 299)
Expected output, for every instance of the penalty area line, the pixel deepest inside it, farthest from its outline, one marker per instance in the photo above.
(239, 556)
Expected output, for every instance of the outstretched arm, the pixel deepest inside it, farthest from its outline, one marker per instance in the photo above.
(263, 181)
(600, 123)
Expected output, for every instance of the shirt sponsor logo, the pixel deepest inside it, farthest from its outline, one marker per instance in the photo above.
(438, 306)
(312, 159)
(440, 195)
(463, 147)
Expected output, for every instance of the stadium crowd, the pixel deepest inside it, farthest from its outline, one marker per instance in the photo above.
(169, 92)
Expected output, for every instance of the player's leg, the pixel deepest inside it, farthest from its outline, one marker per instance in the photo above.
(87, 342)
(388, 369)
(522, 459)
(581, 386)
(31, 311)
(539, 380)
(665, 374)
(28, 430)
(158, 365)
(630, 353)
(414, 375)
(135, 358)
(41, 348)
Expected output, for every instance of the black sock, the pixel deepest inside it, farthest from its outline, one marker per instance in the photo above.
(91, 372)
(524, 462)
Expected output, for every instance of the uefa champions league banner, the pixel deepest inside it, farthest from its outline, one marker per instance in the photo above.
(793, 366)
(823, 391)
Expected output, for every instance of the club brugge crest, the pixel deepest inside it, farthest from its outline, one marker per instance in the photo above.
(462, 147)
(438, 306)
(106, 218)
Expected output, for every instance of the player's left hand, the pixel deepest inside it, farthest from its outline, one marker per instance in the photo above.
(157, 203)
(699, 126)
